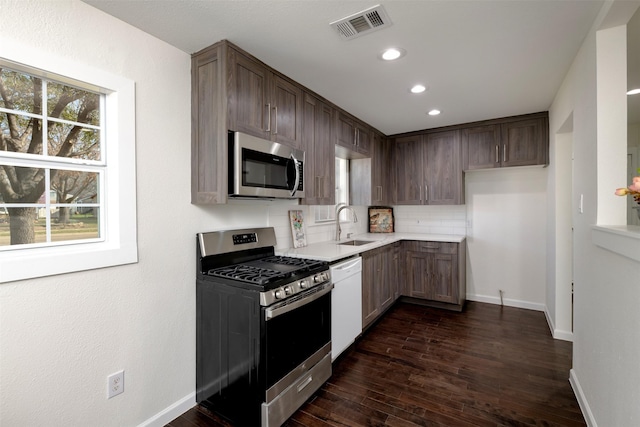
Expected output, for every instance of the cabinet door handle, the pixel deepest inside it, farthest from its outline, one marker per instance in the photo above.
(269, 118)
(497, 154)
(426, 193)
(276, 112)
(355, 136)
(319, 185)
(421, 193)
(504, 152)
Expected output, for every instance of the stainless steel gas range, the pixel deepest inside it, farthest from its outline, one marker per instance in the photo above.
(263, 327)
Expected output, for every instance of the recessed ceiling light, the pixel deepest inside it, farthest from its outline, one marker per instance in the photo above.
(418, 89)
(434, 112)
(392, 54)
(633, 92)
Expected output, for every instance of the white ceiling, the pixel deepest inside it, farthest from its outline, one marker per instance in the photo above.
(481, 59)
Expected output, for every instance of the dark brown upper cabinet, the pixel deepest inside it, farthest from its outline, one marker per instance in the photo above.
(444, 182)
(429, 169)
(382, 176)
(230, 90)
(208, 127)
(353, 135)
(263, 103)
(317, 137)
(513, 141)
(525, 142)
(372, 180)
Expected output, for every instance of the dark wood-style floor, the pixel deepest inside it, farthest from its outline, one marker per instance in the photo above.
(419, 366)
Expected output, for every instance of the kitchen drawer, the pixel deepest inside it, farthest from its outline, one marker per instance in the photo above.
(432, 247)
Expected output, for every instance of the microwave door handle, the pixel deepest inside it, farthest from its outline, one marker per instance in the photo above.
(297, 170)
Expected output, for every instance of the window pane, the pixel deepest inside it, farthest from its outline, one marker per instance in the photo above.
(18, 226)
(20, 92)
(72, 104)
(74, 186)
(81, 224)
(325, 213)
(21, 184)
(24, 186)
(73, 141)
(20, 134)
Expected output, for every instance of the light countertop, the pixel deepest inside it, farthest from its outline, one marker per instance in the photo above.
(331, 251)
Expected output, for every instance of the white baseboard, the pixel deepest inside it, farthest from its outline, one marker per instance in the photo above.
(582, 400)
(508, 302)
(172, 412)
(557, 333)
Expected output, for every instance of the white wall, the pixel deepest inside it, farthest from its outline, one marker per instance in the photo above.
(61, 336)
(506, 216)
(605, 371)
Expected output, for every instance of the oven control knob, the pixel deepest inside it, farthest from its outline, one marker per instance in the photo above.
(288, 290)
(303, 284)
(319, 278)
(280, 293)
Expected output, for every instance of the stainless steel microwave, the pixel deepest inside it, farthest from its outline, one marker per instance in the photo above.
(262, 168)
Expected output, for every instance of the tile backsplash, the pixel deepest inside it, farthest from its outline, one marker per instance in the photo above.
(408, 219)
(448, 219)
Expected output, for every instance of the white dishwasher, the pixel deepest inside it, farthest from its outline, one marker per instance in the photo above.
(346, 304)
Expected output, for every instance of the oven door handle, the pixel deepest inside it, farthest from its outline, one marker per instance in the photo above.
(271, 313)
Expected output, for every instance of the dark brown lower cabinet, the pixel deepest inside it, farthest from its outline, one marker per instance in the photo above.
(435, 273)
(427, 273)
(379, 281)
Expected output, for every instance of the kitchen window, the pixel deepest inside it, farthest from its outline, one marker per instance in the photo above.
(327, 213)
(51, 161)
(67, 167)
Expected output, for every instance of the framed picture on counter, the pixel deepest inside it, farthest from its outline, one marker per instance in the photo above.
(380, 219)
(298, 231)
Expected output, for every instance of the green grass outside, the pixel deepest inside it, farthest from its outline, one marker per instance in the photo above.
(89, 224)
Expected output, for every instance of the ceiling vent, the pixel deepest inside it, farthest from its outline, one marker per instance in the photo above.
(361, 23)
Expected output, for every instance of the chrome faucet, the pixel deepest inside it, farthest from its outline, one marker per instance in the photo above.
(339, 208)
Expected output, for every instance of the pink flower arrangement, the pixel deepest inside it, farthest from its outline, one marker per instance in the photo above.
(632, 190)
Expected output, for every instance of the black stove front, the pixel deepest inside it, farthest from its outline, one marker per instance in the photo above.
(263, 327)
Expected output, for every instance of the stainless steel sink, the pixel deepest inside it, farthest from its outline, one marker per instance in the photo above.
(355, 242)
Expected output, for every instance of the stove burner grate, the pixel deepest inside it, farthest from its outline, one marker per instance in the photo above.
(298, 262)
(246, 273)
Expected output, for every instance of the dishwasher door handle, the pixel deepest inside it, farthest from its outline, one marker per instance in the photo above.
(346, 265)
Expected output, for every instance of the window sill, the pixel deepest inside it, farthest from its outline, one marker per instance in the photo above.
(41, 262)
(620, 239)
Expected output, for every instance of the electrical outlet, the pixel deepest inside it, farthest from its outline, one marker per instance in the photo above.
(115, 384)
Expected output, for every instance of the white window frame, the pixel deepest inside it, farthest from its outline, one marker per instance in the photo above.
(118, 245)
(327, 214)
